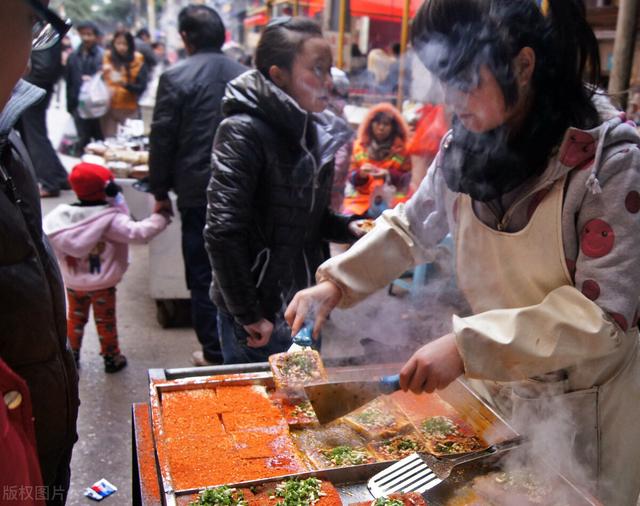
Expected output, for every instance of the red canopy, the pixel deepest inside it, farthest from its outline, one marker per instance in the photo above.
(383, 9)
(378, 9)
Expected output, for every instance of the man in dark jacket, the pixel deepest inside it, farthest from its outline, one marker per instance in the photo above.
(83, 63)
(143, 46)
(33, 335)
(46, 70)
(185, 119)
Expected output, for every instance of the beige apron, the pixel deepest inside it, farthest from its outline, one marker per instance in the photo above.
(500, 270)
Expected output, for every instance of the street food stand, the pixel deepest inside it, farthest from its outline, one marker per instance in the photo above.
(157, 479)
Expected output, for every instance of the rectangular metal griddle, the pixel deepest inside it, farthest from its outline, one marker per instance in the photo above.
(350, 481)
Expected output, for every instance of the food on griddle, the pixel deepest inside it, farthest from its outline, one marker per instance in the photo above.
(236, 421)
(399, 447)
(222, 496)
(519, 487)
(377, 419)
(299, 413)
(408, 499)
(438, 426)
(445, 436)
(345, 455)
(297, 492)
(236, 427)
(333, 445)
(245, 398)
(296, 368)
(366, 225)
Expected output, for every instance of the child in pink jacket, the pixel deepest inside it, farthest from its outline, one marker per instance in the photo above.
(90, 239)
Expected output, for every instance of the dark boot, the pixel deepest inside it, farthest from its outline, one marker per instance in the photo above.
(114, 363)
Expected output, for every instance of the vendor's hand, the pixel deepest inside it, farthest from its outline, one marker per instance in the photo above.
(356, 229)
(163, 207)
(320, 299)
(433, 366)
(259, 333)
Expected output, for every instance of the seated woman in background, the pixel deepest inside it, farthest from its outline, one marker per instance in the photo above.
(126, 75)
(379, 156)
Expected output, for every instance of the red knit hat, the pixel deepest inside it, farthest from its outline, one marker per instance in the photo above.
(88, 181)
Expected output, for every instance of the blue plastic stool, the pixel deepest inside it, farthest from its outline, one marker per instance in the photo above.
(419, 277)
(419, 274)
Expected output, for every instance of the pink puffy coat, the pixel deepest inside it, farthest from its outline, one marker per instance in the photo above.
(92, 243)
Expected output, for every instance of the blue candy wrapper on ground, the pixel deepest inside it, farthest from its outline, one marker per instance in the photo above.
(100, 489)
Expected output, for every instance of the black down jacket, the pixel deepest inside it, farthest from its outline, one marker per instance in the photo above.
(268, 216)
(33, 333)
(185, 118)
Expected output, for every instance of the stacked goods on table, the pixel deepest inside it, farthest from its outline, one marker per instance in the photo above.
(124, 159)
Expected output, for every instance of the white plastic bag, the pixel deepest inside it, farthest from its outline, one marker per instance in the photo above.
(94, 98)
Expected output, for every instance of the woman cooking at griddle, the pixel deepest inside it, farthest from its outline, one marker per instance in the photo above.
(538, 183)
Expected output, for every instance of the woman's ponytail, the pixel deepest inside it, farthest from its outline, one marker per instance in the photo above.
(577, 47)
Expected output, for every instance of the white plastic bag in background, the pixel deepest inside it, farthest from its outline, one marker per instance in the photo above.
(94, 98)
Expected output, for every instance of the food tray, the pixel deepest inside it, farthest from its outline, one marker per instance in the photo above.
(350, 480)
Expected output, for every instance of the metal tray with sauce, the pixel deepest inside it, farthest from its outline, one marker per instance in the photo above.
(351, 480)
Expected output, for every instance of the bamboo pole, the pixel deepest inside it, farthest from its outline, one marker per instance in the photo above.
(296, 7)
(151, 14)
(623, 49)
(404, 37)
(342, 17)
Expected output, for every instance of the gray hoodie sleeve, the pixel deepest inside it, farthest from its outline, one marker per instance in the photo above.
(607, 265)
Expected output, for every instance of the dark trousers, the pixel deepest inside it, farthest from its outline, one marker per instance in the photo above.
(55, 493)
(50, 172)
(198, 272)
(88, 129)
(234, 341)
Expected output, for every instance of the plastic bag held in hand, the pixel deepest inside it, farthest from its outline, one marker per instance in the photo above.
(94, 98)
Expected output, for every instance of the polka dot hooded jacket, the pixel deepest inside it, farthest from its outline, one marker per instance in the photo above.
(600, 221)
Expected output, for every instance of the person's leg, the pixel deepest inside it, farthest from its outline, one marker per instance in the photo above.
(109, 124)
(56, 491)
(104, 312)
(33, 128)
(82, 128)
(198, 273)
(95, 129)
(78, 304)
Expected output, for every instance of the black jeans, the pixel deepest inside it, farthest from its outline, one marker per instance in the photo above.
(198, 272)
(33, 127)
(234, 341)
(88, 130)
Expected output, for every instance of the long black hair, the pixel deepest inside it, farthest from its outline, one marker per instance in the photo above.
(453, 38)
(281, 40)
(118, 59)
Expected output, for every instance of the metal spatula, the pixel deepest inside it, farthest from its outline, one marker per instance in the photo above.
(420, 472)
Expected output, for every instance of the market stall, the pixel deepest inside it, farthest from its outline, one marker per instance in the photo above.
(231, 425)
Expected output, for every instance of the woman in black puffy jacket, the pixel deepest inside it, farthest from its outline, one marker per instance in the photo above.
(268, 216)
